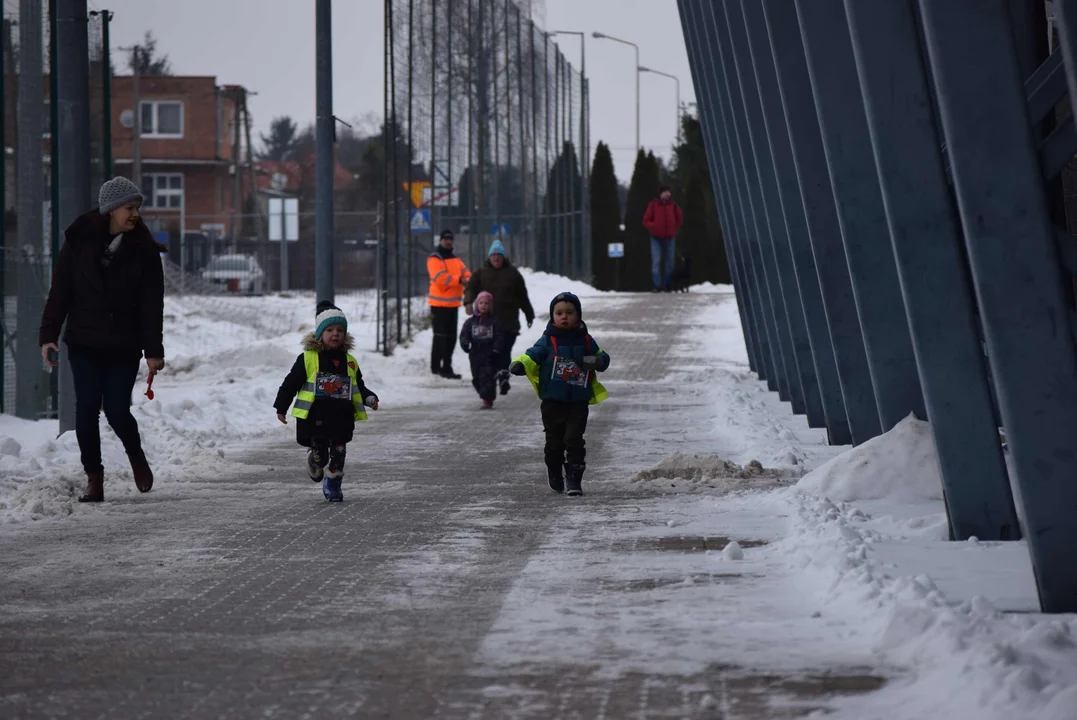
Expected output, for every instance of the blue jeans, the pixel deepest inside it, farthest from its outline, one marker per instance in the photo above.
(660, 248)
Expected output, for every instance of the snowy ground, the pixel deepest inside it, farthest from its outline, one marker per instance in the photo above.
(842, 565)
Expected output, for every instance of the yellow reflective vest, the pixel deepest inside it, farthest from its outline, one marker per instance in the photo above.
(305, 399)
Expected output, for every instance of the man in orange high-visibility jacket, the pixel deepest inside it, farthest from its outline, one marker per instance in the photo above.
(448, 278)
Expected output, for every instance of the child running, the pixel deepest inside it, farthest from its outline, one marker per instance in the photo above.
(481, 338)
(562, 366)
(331, 395)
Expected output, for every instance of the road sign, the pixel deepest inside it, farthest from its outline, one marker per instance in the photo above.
(420, 220)
(502, 229)
(284, 219)
(616, 250)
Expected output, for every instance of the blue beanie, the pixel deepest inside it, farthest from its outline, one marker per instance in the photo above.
(496, 248)
(329, 314)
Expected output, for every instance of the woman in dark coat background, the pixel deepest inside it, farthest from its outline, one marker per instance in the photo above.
(500, 278)
(108, 285)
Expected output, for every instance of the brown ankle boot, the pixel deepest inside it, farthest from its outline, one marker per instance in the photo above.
(95, 488)
(143, 474)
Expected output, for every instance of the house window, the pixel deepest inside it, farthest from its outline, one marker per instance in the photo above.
(164, 191)
(162, 118)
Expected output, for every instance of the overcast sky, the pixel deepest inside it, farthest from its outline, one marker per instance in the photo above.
(268, 47)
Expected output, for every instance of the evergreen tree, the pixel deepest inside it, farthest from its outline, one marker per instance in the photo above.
(701, 237)
(281, 138)
(560, 236)
(605, 219)
(636, 275)
(144, 57)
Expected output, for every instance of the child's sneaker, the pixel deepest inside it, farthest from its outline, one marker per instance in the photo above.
(313, 470)
(487, 404)
(331, 489)
(503, 381)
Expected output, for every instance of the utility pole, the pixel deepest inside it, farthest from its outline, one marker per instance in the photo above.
(73, 156)
(250, 167)
(237, 109)
(31, 381)
(323, 222)
(136, 144)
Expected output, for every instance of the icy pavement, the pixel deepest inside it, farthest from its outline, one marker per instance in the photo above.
(688, 582)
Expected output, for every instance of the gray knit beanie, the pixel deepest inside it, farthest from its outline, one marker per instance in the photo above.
(117, 192)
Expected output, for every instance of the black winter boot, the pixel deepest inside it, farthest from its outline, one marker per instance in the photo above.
(574, 479)
(557, 480)
(95, 488)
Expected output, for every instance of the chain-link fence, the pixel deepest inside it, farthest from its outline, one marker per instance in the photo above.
(486, 122)
(30, 233)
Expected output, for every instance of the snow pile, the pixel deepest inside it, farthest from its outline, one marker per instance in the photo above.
(899, 465)
(966, 658)
(713, 471)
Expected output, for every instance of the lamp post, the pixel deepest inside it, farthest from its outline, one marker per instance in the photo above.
(603, 36)
(678, 82)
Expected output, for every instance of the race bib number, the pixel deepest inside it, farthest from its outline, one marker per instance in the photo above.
(566, 370)
(482, 332)
(333, 386)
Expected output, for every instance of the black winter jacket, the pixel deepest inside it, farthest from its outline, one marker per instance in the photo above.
(507, 286)
(113, 305)
(481, 337)
(329, 419)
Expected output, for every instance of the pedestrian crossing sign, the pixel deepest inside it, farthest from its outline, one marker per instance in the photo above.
(420, 220)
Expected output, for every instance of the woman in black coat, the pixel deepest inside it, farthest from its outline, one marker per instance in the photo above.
(108, 285)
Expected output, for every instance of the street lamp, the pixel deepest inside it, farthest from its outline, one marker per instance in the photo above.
(603, 36)
(676, 80)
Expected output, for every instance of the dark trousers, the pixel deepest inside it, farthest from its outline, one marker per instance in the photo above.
(504, 358)
(445, 331)
(484, 369)
(329, 454)
(565, 424)
(104, 379)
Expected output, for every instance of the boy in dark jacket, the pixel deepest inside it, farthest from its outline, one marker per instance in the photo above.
(481, 338)
(331, 398)
(562, 366)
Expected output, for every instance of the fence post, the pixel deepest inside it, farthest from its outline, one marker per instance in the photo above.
(30, 379)
(1015, 269)
(730, 228)
(324, 161)
(840, 108)
(801, 257)
(817, 196)
(931, 267)
(748, 179)
(774, 237)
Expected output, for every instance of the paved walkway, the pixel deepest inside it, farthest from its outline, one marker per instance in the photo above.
(451, 583)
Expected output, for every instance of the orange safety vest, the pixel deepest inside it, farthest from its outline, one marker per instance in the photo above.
(448, 278)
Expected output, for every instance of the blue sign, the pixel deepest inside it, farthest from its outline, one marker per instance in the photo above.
(501, 229)
(161, 238)
(616, 250)
(420, 220)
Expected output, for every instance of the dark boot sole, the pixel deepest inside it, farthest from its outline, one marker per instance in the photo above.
(88, 499)
(574, 492)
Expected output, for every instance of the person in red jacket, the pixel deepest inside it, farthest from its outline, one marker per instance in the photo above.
(663, 220)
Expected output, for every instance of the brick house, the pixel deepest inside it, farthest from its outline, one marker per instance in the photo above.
(188, 126)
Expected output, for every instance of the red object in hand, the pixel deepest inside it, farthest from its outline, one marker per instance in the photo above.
(149, 386)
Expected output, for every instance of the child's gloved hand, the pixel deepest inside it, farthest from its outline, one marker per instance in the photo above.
(283, 420)
(590, 361)
(371, 402)
(517, 368)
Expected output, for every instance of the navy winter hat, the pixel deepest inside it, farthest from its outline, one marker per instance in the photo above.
(569, 298)
(447, 234)
(328, 314)
(117, 192)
